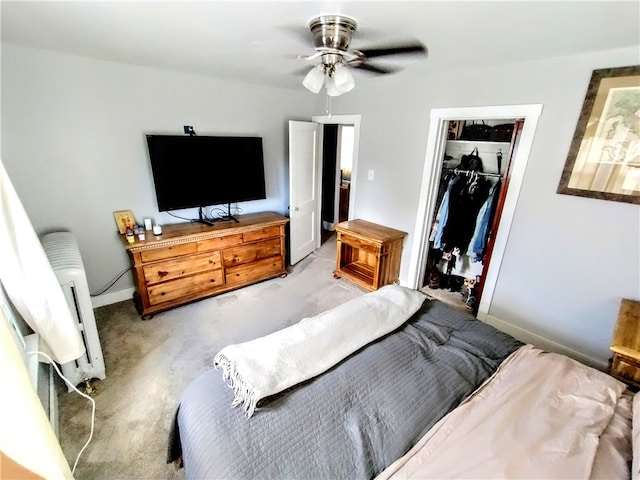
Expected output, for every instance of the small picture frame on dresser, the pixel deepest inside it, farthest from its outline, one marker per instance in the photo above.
(124, 219)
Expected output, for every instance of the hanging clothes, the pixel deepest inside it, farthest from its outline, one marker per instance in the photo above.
(480, 238)
(443, 213)
(465, 199)
(445, 179)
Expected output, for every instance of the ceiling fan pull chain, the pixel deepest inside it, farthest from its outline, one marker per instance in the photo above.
(328, 107)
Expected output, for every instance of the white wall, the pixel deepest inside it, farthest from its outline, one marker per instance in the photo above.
(73, 141)
(568, 260)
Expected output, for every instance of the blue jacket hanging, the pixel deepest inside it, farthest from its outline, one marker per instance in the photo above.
(443, 213)
(478, 243)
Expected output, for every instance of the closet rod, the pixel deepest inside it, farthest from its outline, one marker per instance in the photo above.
(456, 170)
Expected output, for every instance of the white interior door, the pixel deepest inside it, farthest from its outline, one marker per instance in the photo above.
(304, 167)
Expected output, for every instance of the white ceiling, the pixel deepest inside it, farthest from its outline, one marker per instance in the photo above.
(259, 41)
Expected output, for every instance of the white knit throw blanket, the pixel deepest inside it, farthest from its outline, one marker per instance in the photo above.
(270, 364)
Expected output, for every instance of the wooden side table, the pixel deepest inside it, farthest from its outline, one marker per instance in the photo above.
(626, 344)
(368, 254)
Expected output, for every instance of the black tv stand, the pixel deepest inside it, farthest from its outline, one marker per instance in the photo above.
(202, 218)
(228, 217)
(204, 221)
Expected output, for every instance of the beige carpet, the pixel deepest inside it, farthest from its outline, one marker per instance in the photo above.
(148, 364)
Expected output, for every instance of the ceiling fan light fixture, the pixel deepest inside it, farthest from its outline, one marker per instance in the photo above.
(343, 79)
(314, 80)
(332, 36)
(332, 90)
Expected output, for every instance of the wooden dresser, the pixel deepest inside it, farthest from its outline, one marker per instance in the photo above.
(368, 254)
(190, 261)
(626, 344)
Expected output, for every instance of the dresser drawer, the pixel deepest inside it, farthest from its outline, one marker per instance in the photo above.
(359, 243)
(219, 242)
(249, 253)
(184, 288)
(266, 232)
(167, 252)
(179, 267)
(254, 271)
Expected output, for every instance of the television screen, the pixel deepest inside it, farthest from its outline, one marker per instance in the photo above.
(198, 171)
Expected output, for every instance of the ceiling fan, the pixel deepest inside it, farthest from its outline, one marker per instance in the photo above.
(332, 36)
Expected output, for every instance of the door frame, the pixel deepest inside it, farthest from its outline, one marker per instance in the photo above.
(436, 142)
(338, 176)
(354, 120)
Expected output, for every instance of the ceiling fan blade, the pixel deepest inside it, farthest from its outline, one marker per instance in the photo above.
(418, 48)
(373, 69)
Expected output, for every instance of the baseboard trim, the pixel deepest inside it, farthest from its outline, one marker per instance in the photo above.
(115, 297)
(527, 336)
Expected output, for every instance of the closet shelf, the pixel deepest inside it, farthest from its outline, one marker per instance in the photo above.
(478, 142)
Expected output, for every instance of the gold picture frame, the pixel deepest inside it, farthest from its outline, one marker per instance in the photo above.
(604, 157)
(124, 219)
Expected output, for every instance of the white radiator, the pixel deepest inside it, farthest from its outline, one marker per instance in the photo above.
(64, 256)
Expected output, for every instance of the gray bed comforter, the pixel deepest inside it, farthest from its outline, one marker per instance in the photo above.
(350, 422)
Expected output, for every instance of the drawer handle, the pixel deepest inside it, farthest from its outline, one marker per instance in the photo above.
(162, 274)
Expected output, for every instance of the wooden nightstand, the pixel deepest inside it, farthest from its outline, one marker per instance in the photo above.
(368, 254)
(626, 344)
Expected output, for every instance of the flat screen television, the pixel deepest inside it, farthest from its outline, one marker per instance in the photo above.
(199, 171)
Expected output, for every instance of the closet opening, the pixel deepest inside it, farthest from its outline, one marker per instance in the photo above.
(512, 183)
(471, 191)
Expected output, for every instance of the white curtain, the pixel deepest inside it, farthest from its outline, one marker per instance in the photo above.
(29, 280)
(26, 436)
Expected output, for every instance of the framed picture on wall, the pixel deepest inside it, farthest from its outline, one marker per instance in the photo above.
(604, 157)
(124, 219)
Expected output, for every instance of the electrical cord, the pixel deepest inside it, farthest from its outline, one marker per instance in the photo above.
(181, 218)
(220, 213)
(93, 403)
(102, 290)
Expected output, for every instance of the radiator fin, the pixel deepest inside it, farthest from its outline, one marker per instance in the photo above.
(64, 256)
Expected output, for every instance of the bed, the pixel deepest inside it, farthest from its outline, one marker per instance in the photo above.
(374, 413)
(556, 419)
